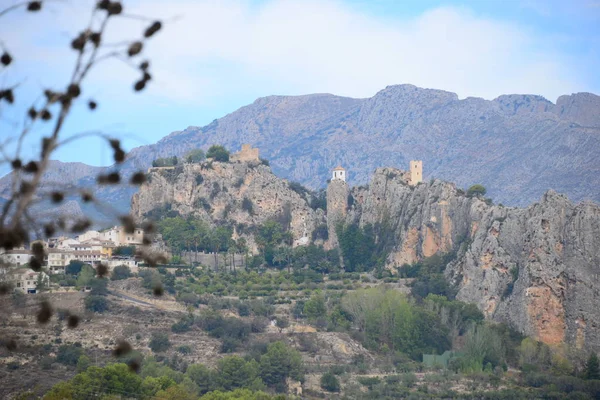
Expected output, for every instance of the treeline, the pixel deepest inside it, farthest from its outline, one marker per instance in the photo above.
(233, 377)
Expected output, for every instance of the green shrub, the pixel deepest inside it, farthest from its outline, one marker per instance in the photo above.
(218, 153)
(68, 354)
(95, 303)
(330, 382)
(476, 190)
(120, 272)
(159, 342)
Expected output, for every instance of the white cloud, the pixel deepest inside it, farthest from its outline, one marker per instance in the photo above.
(217, 49)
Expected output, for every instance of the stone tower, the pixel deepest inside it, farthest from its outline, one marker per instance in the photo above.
(416, 172)
(337, 204)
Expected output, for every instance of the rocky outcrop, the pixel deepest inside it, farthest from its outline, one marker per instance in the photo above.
(337, 206)
(242, 194)
(535, 268)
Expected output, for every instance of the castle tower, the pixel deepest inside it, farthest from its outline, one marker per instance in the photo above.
(337, 204)
(339, 173)
(416, 172)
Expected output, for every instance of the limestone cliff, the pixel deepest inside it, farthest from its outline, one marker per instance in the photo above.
(337, 205)
(216, 192)
(535, 268)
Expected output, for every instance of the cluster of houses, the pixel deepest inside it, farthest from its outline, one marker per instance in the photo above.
(92, 247)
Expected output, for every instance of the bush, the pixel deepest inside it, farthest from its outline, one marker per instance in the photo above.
(248, 206)
(96, 303)
(330, 382)
(184, 349)
(183, 325)
(219, 153)
(120, 272)
(69, 354)
(46, 362)
(369, 381)
(159, 342)
(195, 156)
(476, 191)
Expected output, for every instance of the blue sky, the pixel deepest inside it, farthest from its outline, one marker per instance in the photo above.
(216, 56)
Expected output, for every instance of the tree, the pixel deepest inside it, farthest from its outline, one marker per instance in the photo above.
(120, 272)
(592, 367)
(330, 382)
(315, 306)
(159, 342)
(279, 363)
(69, 354)
(282, 323)
(176, 392)
(83, 363)
(218, 153)
(42, 282)
(195, 156)
(203, 377)
(476, 190)
(74, 267)
(234, 372)
(86, 275)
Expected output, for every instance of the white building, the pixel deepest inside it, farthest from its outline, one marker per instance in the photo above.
(119, 237)
(89, 235)
(26, 280)
(339, 173)
(58, 260)
(15, 257)
(117, 261)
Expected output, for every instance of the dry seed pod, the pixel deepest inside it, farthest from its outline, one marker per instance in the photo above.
(102, 270)
(135, 48)
(138, 178)
(152, 29)
(5, 59)
(45, 313)
(123, 347)
(158, 290)
(72, 321)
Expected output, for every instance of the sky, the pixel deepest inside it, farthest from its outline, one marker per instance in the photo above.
(212, 57)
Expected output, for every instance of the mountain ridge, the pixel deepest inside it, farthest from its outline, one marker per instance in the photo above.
(517, 146)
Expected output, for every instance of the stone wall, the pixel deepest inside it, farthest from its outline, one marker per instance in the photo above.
(246, 154)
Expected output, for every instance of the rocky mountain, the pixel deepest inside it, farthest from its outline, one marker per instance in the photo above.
(536, 268)
(242, 194)
(517, 146)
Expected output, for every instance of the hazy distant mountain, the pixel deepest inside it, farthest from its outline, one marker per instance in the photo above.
(518, 146)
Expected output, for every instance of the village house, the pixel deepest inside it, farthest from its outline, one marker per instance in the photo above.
(26, 280)
(119, 237)
(15, 257)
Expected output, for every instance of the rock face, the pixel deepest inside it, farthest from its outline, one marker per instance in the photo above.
(217, 191)
(536, 268)
(337, 205)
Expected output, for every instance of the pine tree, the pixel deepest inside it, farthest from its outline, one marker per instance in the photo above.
(592, 368)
